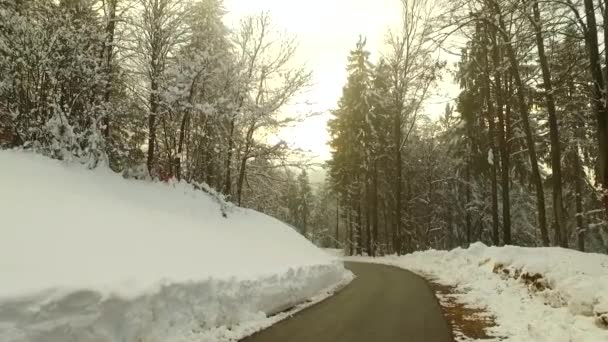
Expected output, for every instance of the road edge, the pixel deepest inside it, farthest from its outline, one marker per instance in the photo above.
(288, 311)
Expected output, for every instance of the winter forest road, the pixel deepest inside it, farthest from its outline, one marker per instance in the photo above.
(383, 304)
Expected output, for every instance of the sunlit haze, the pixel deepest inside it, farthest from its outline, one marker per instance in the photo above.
(326, 30)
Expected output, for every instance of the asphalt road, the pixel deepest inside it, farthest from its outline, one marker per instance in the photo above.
(382, 304)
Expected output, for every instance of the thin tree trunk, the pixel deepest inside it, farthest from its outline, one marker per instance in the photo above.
(242, 169)
(578, 197)
(502, 143)
(494, 166)
(449, 223)
(375, 209)
(337, 221)
(407, 234)
(430, 207)
(523, 109)
(558, 207)
(305, 221)
(495, 219)
(368, 231)
(605, 29)
(169, 148)
(490, 114)
(241, 180)
(387, 237)
(180, 145)
(350, 231)
(599, 106)
(397, 184)
(358, 229)
(467, 201)
(209, 166)
(108, 51)
(579, 175)
(228, 164)
(152, 125)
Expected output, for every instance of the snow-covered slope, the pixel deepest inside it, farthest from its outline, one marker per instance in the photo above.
(89, 256)
(535, 294)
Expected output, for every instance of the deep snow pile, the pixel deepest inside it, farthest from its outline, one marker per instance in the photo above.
(535, 294)
(89, 256)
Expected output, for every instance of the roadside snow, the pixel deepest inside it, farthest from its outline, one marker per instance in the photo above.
(567, 301)
(89, 256)
(334, 252)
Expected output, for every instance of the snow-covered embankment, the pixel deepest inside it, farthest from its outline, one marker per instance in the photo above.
(89, 256)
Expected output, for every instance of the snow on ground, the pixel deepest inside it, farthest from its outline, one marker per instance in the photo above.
(87, 256)
(534, 294)
(334, 252)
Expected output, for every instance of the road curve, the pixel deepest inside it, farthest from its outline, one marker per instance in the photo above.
(382, 304)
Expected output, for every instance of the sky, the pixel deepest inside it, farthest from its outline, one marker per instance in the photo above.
(326, 31)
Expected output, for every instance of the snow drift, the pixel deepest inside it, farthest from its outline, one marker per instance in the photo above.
(534, 294)
(89, 256)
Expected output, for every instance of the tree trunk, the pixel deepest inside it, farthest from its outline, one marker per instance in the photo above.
(337, 221)
(579, 175)
(209, 166)
(305, 221)
(385, 220)
(241, 180)
(397, 184)
(152, 125)
(108, 54)
(228, 164)
(494, 176)
(467, 214)
(502, 143)
(525, 118)
(578, 197)
(358, 229)
(368, 231)
(350, 230)
(406, 241)
(375, 209)
(492, 138)
(558, 207)
(387, 237)
(449, 222)
(180, 146)
(494, 166)
(430, 209)
(599, 105)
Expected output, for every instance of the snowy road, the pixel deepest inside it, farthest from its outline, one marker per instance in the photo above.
(382, 304)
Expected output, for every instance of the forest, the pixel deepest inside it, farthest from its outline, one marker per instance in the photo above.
(165, 90)
(155, 89)
(519, 158)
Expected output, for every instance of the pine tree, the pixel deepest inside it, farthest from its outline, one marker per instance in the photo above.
(348, 131)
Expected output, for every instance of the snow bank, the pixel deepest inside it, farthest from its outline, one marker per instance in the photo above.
(535, 294)
(334, 252)
(89, 256)
(567, 277)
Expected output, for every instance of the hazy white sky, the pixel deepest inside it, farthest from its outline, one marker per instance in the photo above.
(326, 30)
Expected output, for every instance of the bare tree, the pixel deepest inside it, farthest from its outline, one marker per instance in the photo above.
(268, 82)
(413, 71)
(159, 28)
(113, 12)
(558, 206)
